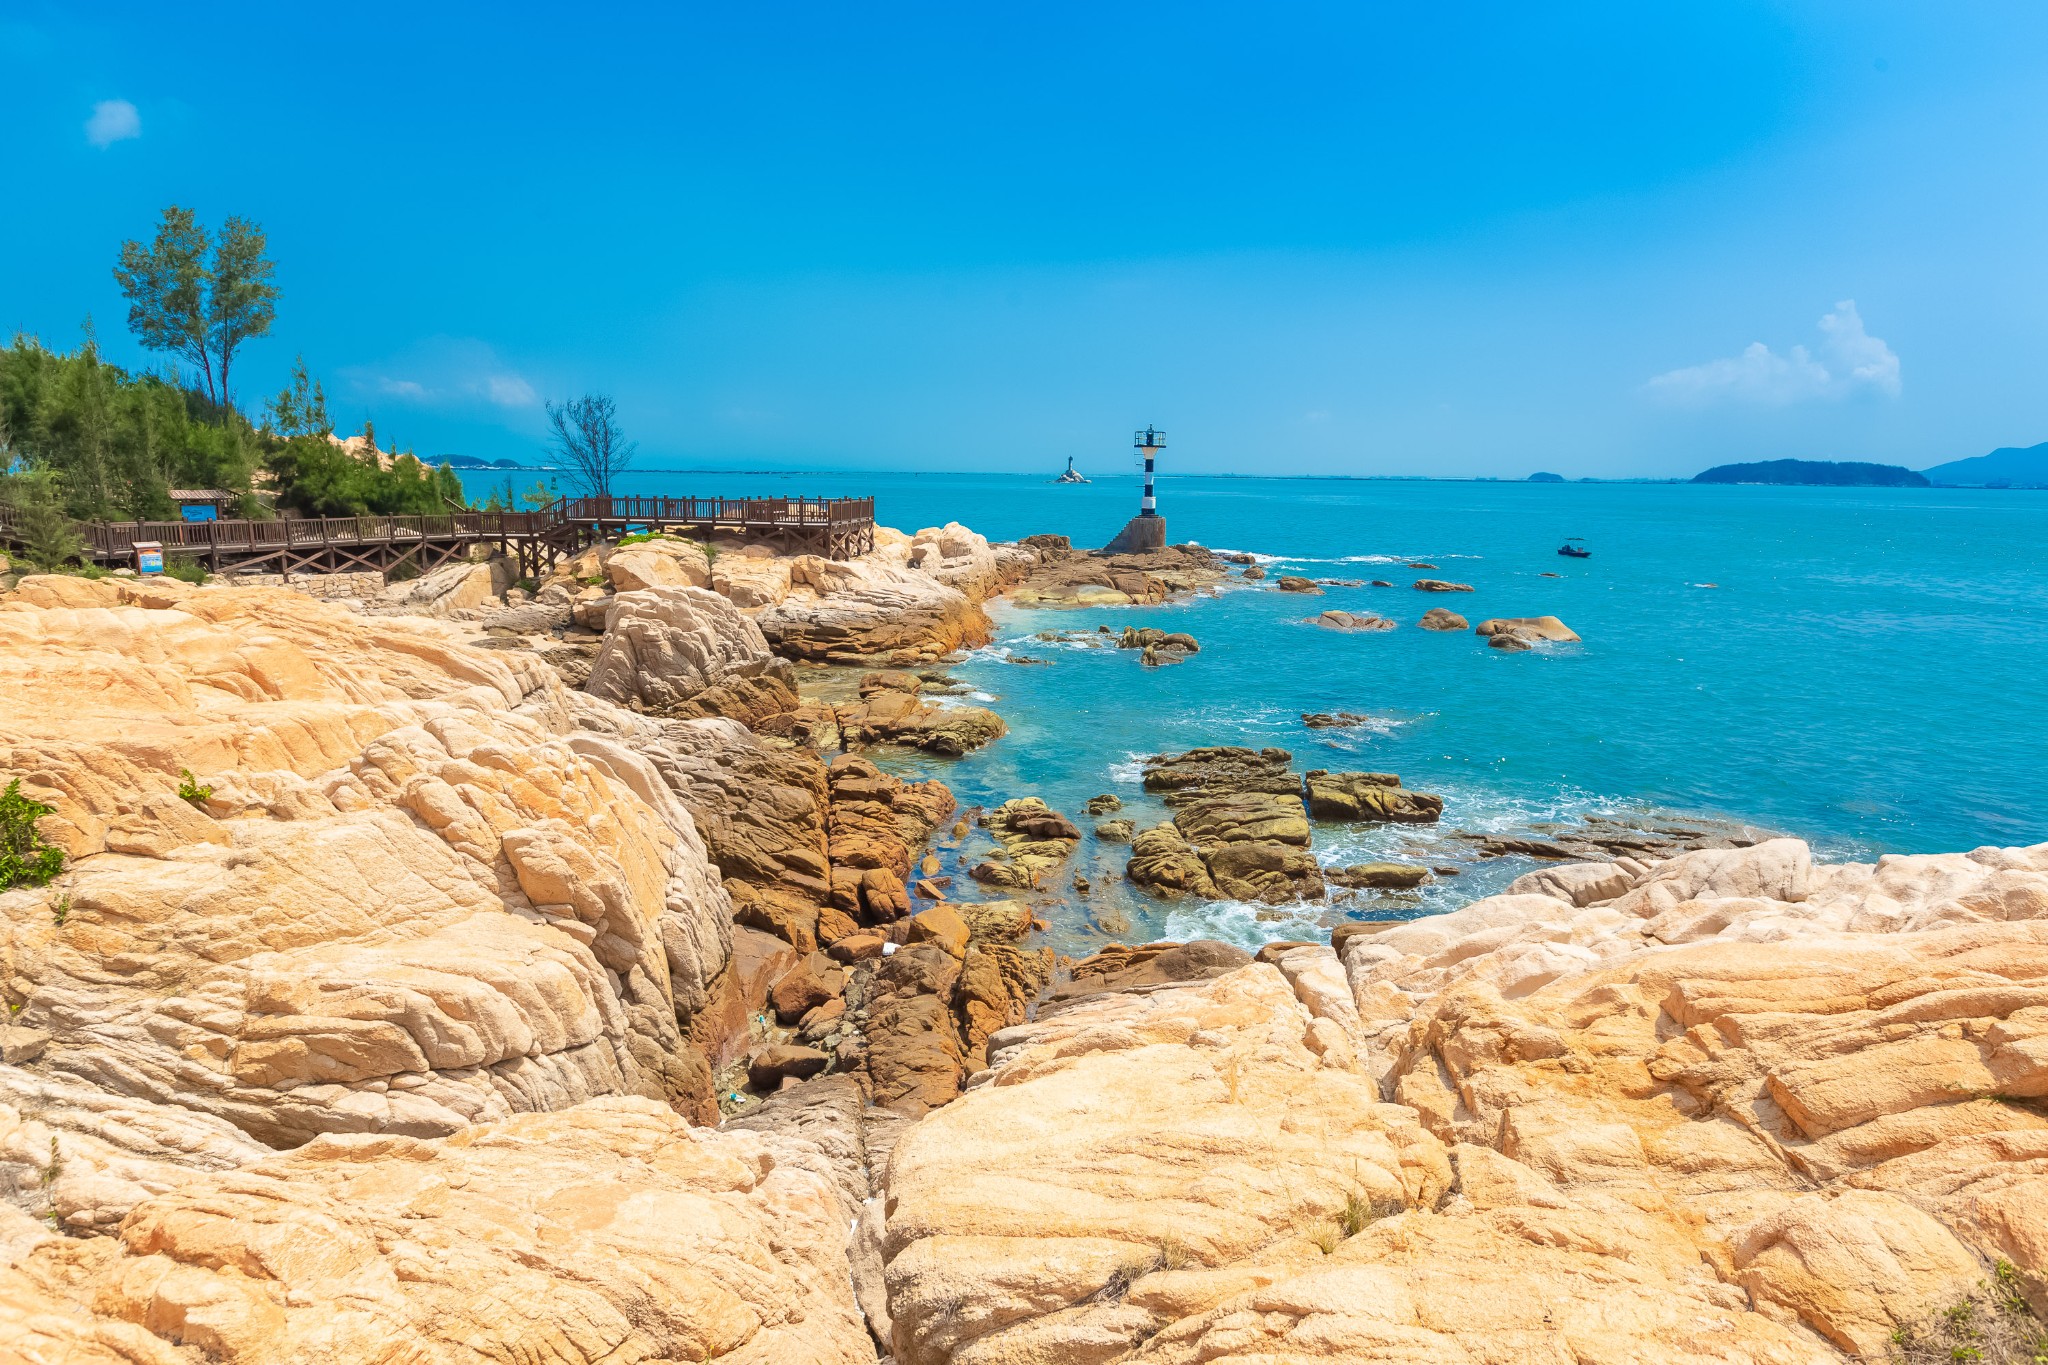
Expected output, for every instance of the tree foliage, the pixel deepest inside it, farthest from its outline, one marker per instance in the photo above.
(588, 438)
(199, 299)
(112, 444)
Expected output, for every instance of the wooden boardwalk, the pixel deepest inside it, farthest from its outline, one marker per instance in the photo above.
(838, 528)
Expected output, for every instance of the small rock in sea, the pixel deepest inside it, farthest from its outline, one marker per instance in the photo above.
(1445, 871)
(1380, 583)
(1511, 643)
(1550, 575)
(1532, 627)
(1341, 582)
(1439, 585)
(1254, 573)
(1443, 618)
(1418, 564)
(1115, 831)
(1333, 720)
(1235, 557)
(1294, 584)
(1352, 621)
(1026, 659)
(1103, 804)
(1378, 876)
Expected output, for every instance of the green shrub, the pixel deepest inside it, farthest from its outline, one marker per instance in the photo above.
(25, 860)
(190, 789)
(184, 568)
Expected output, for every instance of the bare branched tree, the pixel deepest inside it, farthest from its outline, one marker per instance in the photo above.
(587, 438)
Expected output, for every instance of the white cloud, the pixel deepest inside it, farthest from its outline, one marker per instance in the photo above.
(112, 121)
(1850, 361)
(447, 372)
(510, 391)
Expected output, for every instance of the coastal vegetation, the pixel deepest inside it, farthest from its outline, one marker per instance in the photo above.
(25, 860)
(84, 439)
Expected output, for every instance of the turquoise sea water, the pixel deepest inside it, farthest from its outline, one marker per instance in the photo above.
(1870, 672)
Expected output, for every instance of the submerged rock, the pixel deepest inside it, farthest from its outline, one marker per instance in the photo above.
(1440, 585)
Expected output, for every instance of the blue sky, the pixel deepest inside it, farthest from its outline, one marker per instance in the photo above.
(1352, 239)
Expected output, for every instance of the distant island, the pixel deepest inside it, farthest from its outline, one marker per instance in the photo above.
(1821, 473)
(472, 462)
(2007, 467)
(1543, 476)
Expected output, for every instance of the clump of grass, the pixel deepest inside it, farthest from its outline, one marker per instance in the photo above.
(61, 911)
(1173, 1255)
(25, 860)
(56, 1166)
(191, 789)
(184, 568)
(1991, 1326)
(1362, 1210)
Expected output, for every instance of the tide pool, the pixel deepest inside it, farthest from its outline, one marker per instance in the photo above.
(1869, 670)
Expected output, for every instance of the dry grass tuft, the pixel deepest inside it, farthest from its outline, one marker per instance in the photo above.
(1993, 1326)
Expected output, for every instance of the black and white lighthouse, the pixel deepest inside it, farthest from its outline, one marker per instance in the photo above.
(1147, 530)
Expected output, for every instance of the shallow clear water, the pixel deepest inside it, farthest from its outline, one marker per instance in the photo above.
(1870, 673)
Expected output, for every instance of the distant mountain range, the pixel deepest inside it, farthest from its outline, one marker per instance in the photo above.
(1829, 473)
(2008, 467)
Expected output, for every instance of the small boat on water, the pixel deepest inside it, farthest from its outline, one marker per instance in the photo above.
(1575, 548)
(1070, 476)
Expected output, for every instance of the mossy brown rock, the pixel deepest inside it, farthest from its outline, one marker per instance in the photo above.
(1368, 796)
(1164, 864)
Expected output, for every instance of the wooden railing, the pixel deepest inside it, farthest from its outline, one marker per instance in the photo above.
(117, 539)
(772, 511)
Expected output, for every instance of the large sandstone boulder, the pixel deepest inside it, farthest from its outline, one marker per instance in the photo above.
(452, 588)
(665, 645)
(854, 610)
(658, 563)
(408, 904)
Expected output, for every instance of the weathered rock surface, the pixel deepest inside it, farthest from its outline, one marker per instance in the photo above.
(1290, 583)
(1033, 842)
(1056, 575)
(410, 903)
(450, 589)
(665, 645)
(1368, 796)
(1730, 1107)
(611, 1232)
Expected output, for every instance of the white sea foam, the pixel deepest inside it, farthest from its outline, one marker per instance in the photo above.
(1239, 923)
(1131, 770)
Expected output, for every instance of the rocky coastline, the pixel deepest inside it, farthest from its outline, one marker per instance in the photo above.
(474, 970)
